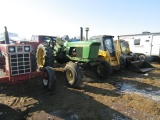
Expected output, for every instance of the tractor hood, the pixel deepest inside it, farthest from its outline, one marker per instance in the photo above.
(84, 49)
(82, 44)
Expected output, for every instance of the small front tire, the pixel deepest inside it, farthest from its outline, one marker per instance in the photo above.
(73, 75)
(49, 79)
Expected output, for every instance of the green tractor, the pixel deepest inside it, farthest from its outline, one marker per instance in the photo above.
(73, 56)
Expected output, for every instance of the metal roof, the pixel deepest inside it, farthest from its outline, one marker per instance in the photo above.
(144, 33)
(100, 36)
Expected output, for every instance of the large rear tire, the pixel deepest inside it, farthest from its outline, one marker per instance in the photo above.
(49, 79)
(73, 75)
(103, 70)
(44, 56)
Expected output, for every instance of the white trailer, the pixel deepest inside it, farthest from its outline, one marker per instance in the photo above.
(146, 43)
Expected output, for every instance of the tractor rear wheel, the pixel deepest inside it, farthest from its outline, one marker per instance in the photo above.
(73, 75)
(49, 79)
(103, 70)
(44, 56)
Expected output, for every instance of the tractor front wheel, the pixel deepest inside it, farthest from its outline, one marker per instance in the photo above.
(49, 78)
(73, 75)
(103, 70)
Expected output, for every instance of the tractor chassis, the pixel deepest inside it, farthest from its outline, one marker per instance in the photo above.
(20, 78)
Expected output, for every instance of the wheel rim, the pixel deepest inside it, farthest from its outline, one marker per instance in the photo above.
(101, 70)
(41, 57)
(142, 57)
(70, 77)
(45, 80)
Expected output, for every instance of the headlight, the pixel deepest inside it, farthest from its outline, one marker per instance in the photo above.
(11, 49)
(27, 48)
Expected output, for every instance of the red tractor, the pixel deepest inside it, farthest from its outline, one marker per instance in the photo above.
(17, 63)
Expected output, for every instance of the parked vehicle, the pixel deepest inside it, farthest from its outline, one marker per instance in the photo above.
(107, 51)
(130, 60)
(17, 64)
(73, 54)
(146, 43)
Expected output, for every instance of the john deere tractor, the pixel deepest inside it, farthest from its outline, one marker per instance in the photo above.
(72, 55)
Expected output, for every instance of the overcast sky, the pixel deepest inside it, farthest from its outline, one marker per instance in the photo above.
(65, 17)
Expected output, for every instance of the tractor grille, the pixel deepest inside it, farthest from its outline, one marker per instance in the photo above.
(20, 63)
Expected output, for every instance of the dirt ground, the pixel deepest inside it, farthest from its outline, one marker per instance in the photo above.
(96, 100)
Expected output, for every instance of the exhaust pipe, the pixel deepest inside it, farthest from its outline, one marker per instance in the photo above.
(87, 29)
(81, 34)
(6, 35)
